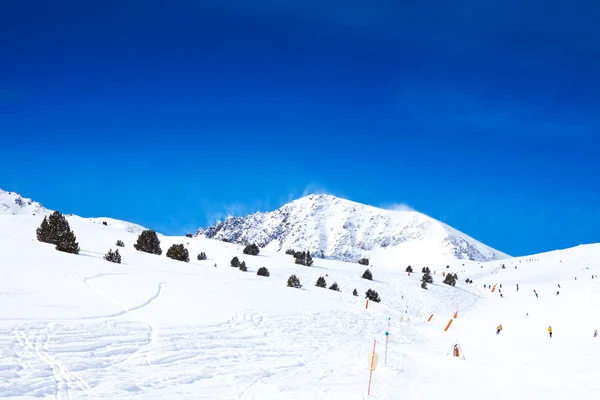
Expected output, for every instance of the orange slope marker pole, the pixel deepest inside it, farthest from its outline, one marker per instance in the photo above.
(429, 319)
(372, 367)
(456, 314)
(367, 305)
(448, 326)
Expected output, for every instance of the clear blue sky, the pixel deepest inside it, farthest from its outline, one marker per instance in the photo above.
(485, 115)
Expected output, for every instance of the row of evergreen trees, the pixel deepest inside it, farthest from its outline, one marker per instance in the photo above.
(294, 281)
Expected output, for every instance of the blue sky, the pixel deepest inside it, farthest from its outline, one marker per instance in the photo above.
(173, 114)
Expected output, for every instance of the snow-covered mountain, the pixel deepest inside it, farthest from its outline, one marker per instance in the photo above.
(12, 203)
(336, 228)
(15, 204)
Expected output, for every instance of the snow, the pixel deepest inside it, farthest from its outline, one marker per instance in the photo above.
(79, 327)
(344, 230)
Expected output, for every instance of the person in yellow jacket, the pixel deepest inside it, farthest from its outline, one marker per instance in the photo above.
(499, 328)
(550, 330)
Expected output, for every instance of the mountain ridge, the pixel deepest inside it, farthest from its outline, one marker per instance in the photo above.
(342, 229)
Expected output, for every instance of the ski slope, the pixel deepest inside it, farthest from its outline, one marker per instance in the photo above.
(78, 327)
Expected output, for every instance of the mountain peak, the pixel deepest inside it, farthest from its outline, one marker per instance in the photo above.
(332, 227)
(15, 204)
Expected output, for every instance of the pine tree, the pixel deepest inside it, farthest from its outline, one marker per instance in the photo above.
(409, 269)
(309, 261)
(426, 279)
(450, 280)
(202, 256)
(363, 261)
(252, 250)
(372, 295)
(68, 243)
(262, 271)
(355, 293)
(120, 243)
(43, 232)
(303, 258)
(367, 275)
(178, 252)
(335, 287)
(113, 256)
(235, 262)
(426, 270)
(294, 282)
(53, 228)
(321, 282)
(148, 242)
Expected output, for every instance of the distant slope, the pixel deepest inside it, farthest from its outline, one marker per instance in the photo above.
(340, 229)
(12, 203)
(15, 204)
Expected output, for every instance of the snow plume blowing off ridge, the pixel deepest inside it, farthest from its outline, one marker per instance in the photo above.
(331, 227)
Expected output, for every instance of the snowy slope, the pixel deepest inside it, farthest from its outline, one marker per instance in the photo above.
(78, 327)
(14, 203)
(340, 229)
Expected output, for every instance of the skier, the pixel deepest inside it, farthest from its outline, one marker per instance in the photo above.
(485, 286)
(596, 333)
(499, 328)
(517, 287)
(536, 295)
(559, 285)
(501, 295)
(557, 292)
(500, 286)
(550, 330)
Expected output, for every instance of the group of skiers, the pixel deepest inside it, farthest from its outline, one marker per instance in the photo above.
(499, 329)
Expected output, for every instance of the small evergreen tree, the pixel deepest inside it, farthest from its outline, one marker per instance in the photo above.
(303, 258)
(335, 287)
(290, 252)
(426, 270)
(148, 242)
(188, 235)
(104, 223)
(373, 295)
(252, 250)
(43, 232)
(202, 256)
(409, 269)
(426, 279)
(178, 252)
(262, 271)
(243, 266)
(120, 243)
(355, 293)
(68, 243)
(294, 282)
(113, 256)
(321, 282)
(363, 261)
(367, 275)
(450, 280)
(53, 228)
(235, 262)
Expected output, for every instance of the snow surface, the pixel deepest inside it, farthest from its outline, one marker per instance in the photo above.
(14, 203)
(341, 229)
(79, 327)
